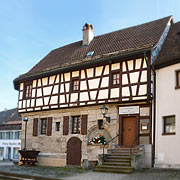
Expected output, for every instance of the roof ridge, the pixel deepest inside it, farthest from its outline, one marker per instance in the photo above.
(131, 27)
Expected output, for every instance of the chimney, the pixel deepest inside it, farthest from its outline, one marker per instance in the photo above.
(88, 34)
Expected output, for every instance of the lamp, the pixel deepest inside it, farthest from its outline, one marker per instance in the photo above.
(104, 111)
(25, 120)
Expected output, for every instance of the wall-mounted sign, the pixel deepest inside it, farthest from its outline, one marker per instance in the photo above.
(129, 110)
(144, 126)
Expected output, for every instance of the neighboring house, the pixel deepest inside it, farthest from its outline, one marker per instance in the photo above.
(62, 94)
(167, 68)
(10, 135)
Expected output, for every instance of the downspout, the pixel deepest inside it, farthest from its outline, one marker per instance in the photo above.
(149, 99)
(154, 116)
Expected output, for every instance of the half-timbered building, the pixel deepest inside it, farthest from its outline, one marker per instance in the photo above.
(63, 94)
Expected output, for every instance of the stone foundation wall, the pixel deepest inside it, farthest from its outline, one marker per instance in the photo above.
(53, 148)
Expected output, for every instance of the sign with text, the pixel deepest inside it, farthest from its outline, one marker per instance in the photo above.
(129, 110)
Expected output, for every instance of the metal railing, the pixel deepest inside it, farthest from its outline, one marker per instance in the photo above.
(108, 143)
(132, 145)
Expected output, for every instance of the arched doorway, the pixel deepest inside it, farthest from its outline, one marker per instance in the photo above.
(74, 151)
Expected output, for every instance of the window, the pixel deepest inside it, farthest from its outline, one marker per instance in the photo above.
(43, 126)
(169, 125)
(16, 153)
(115, 78)
(75, 85)
(7, 135)
(1, 151)
(2, 135)
(18, 135)
(178, 79)
(76, 125)
(100, 124)
(57, 126)
(27, 90)
(10, 135)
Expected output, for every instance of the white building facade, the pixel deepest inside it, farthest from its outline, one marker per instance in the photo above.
(10, 144)
(167, 113)
(167, 117)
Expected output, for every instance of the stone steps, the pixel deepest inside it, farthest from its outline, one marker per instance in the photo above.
(117, 161)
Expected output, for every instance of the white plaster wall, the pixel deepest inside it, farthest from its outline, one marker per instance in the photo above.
(167, 103)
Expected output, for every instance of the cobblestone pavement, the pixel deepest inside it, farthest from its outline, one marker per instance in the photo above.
(79, 174)
(150, 174)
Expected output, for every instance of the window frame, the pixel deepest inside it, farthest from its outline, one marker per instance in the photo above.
(43, 130)
(27, 95)
(76, 130)
(100, 124)
(117, 72)
(164, 125)
(58, 126)
(72, 84)
(177, 79)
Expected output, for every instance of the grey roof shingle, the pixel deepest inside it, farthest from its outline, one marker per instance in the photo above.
(170, 52)
(9, 115)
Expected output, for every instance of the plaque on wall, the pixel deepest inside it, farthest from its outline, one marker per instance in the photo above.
(129, 110)
(144, 111)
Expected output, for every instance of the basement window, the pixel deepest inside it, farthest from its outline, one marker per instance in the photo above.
(169, 125)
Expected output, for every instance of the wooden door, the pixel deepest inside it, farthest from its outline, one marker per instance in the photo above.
(74, 151)
(129, 130)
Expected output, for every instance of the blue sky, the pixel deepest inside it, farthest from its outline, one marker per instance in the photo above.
(30, 29)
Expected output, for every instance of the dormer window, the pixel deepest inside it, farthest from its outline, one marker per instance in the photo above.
(90, 53)
(27, 90)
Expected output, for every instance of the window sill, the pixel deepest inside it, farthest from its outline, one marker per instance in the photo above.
(177, 87)
(173, 133)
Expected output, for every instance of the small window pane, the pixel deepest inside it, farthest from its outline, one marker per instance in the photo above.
(10, 135)
(28, 91)
(3, 135)
(169, 124)
(16, 153)
(43, 126)
(75, 85)
(178, 78)
(75, 124)
(115, 78)
(7, 135)
(100, 124)
(57, 126)
(1, 151)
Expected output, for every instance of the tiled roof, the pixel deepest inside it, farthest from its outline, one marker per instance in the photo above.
(9, 116)
(10, 127)
(13, 122)
(170, 52)
(126, 40)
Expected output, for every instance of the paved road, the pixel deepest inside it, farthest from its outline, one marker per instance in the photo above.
(11, 176)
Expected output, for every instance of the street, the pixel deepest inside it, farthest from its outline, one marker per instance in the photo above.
(9, 176)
